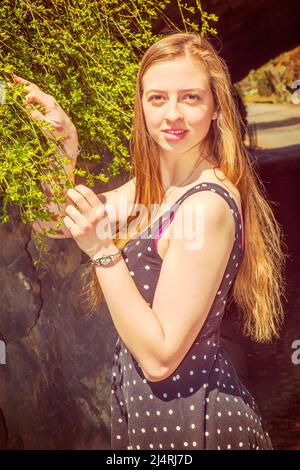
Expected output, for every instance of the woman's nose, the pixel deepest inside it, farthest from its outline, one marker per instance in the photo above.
(172, 112)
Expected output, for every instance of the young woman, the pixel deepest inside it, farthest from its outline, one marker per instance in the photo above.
(212, 240)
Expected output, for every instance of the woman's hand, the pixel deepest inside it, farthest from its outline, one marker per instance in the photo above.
(53, 113)
(88, 222)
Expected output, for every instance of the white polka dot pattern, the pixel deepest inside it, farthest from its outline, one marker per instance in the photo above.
(202, 405)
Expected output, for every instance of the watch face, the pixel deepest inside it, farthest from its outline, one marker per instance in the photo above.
(106, 260)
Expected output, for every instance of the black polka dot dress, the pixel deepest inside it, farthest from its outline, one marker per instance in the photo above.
(203, 404)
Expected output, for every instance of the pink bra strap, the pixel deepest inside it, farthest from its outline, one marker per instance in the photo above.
(162, 229)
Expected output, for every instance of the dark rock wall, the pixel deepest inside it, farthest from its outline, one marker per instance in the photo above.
(249, 32)
(54, 387)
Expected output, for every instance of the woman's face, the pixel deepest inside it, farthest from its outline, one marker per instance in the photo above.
(177, 95)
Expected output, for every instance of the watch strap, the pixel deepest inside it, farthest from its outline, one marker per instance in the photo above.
(107, 260)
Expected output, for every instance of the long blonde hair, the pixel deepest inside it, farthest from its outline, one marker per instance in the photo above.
(259, 284)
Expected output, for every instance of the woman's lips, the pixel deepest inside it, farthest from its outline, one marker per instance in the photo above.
(174, 137)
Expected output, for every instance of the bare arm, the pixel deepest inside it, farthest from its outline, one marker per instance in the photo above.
(160, 336)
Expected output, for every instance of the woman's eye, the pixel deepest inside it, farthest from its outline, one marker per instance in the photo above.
(158, 98)
(194, 97)
(154, 96)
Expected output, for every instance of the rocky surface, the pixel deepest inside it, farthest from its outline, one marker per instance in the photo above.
(54, 387)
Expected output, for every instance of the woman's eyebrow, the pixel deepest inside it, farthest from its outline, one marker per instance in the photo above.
(188, 89)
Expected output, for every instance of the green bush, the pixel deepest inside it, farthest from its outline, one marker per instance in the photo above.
(264, 86)
(275, 78)
(85, 54)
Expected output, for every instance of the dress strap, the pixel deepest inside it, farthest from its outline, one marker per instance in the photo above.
(160, 225)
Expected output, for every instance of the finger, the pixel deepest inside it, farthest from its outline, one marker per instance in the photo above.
(29, 98)
(79, 219)
(27, 89)
(26, 86)
(38, 116)
(71, 226)
(79, 200)
(33, 97)
(21, 80)
(35, 113)
(37, 96)
(100, 211)
(89, 195)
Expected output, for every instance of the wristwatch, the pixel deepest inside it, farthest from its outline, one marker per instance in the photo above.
(107, 260)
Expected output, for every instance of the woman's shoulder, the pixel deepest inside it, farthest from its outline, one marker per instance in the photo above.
(216, 175)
